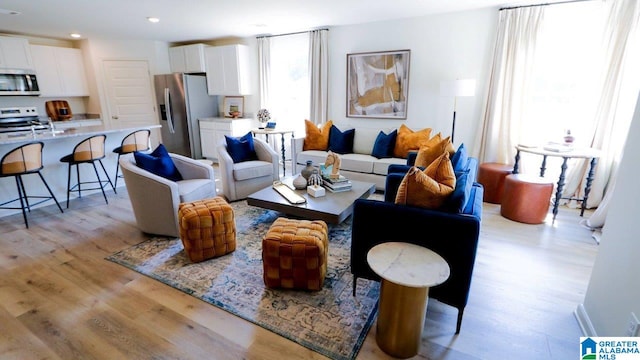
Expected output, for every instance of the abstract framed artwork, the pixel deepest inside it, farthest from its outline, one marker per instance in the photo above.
(378, 84)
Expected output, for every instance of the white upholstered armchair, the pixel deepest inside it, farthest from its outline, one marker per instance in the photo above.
(155, 199)
(239, 180)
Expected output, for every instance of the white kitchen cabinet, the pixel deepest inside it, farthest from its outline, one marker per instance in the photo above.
(60, 71)
(228, 70)
(187, 58)
(213, 130)
(15, 53)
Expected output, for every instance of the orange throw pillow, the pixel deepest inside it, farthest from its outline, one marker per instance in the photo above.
(429, 188)
(428, 153)
(408, 140)
(316, 138)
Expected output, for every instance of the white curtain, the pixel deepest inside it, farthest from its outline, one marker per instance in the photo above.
(264, 56)
(319, 75)
(509, 84)
(616, 102)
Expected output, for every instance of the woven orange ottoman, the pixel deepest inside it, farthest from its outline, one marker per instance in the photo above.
(207, 228)
(526, 198)
(294, 254)
(491, 176)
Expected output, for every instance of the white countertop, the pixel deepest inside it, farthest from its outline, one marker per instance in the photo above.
(72, 132)
(221, 119)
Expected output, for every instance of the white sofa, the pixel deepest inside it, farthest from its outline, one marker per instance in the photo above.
(359, 165)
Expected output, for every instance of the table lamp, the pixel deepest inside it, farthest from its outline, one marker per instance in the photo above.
(457, 88)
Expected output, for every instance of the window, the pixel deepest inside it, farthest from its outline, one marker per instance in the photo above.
(289, 92)
(567, 74)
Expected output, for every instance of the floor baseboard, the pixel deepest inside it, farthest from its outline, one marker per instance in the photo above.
(584, 321)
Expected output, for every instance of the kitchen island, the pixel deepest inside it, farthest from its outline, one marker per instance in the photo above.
(58, 143)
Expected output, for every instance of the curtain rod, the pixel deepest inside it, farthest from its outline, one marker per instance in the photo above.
(545, 4)
(291, 33)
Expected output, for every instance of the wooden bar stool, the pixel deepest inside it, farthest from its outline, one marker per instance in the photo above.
(135, 141)
(526, 198)
(88, 151)
(25, 160)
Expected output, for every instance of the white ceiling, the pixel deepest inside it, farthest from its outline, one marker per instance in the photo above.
(188, 20)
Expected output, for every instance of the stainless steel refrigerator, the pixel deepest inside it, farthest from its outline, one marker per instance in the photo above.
(182, 100)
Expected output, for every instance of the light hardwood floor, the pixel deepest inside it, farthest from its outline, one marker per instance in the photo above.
(59, 298)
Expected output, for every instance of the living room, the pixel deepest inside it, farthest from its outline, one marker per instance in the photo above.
(443, 46)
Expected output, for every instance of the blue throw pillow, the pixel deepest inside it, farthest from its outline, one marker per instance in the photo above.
(460, 158)
(341, 142)
(241, 149)
(384, 145)
(461, 194)
(159, 163)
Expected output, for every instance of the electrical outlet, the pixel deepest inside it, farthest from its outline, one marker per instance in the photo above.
(633, 328)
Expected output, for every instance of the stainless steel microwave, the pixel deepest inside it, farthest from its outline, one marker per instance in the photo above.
(18, 82)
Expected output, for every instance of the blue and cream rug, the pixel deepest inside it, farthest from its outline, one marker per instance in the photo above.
(331, 322)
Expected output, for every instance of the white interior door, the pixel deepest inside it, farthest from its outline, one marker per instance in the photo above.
(129, 93)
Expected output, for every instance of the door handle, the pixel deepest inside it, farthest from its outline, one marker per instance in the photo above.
(114, 117)
(167, 104)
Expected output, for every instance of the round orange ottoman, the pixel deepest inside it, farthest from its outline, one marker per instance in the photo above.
(491, 176)
(526, 198)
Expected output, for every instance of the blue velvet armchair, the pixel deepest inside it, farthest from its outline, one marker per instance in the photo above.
(452, 232)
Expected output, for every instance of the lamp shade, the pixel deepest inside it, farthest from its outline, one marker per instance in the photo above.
(461, 87)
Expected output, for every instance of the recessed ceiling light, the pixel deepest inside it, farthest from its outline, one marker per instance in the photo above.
(75, 35)
(9, 12)
(153, 19)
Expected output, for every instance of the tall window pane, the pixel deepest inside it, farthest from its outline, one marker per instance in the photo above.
(289, 85)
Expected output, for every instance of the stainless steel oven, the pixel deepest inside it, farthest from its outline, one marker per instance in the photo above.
(19, 119)
(18, 82)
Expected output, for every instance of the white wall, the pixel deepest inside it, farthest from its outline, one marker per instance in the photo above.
(98, 50)
(443, 47)
(614, 288)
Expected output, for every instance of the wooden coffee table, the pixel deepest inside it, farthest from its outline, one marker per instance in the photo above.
(332, 208)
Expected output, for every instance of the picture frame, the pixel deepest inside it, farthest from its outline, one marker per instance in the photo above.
(378, 84)
(233, 106)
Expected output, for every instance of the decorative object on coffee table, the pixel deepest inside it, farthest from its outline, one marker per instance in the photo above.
(300, 182)
(314, 179)
(307, 170)
(333, 160)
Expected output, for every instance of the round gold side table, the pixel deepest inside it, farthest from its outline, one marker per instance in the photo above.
(407, 272)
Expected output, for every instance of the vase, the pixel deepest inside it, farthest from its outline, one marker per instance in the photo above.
(300, 182)
(314, 179)
(568, 138)
(308, 170)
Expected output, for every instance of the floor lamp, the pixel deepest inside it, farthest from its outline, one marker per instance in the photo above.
(457, 88)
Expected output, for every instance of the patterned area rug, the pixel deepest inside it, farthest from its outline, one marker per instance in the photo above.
(331, 322)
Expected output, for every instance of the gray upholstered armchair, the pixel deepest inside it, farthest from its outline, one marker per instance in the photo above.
(239, 180)
(155, 199)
